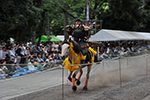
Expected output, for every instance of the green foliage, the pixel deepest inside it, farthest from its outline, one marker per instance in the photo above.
(124, 15)
(19, 19)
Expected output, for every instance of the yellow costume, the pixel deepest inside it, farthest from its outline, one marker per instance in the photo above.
(73, 62)
(93, 51)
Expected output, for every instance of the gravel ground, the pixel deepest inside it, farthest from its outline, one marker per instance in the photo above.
(134, 90)
(104, 84)
(137, 89)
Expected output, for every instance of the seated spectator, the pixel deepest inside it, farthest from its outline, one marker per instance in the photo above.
(44, 49)
(12, 70)
(104, 55)
(128, 49)
(47, 47)
(40, 49)
(46, 56)
(116, 51)
(108, 50)
(48, 62)
(57, 57)
(34, 51)
(31, 65)
(18, 67)
(133, 49)
(110, 53)
(40, 59)
(123, 48)
(4, 65)
(55, 45)
(2, 71)
(121, 53)
(50, 51)
(33, 45)
(148, 46)
(59, 49)
(40, 67)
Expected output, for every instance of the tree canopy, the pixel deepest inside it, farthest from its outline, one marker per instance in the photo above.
(25, 19)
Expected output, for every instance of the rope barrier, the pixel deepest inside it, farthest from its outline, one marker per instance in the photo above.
(58, 63)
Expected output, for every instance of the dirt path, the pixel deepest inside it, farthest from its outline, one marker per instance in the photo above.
(104, 83)
(133, 90)
(106, 88)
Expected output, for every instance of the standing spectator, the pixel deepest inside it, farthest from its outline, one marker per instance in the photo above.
(23, 48)
(18, 53)
(5, 52)
(1, 54)
(27, 54)
(12, 54)
(12, 61)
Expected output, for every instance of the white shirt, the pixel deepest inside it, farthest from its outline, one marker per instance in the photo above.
(11, 52)
(1, 53)
(122, 48)
(47, 60)
(107, 50)
(40, 60)
(1, 72)
(31, 66)
(23, 48)
(128, 49)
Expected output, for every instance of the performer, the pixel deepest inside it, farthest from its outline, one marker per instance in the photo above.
(80, 33)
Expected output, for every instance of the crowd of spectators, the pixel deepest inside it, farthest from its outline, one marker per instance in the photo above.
(47, 55)
(43, 57)
(124, 48)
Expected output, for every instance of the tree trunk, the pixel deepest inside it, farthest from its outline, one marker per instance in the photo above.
(22, 35)
(65, 20)
(34, 36)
